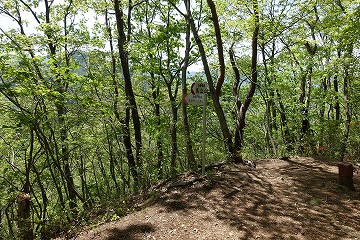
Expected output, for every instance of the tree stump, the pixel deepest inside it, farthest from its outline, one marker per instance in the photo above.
(346, 175)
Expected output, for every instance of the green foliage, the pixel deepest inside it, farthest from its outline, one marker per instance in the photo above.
(64, 84)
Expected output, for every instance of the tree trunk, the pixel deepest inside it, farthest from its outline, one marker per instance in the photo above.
(128, 146)
(189, 150)
(174, 119)
(43, 193)
(112, 163)
(305, 124)
(24, 224)
(49, 151)
(24, 198)
(270, 111)
(337, 103)
(324, 91)
(103, 173)
(127, 78)
(9, 219)
(347, 106)
(155, 88)
(287, 137)
(61, 87)
(84, 187)
(240, 119)
(174, 145)
(160, 154)
(1, 221)
(214, 92)
(307, 78)
(61, 110)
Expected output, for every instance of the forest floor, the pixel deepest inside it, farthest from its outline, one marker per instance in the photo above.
(297, 198)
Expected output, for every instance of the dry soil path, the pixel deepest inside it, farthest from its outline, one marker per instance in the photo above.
(298, 198)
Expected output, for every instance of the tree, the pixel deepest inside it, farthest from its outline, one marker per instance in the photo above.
(189, 149)
(214, 89)
(131, 106)
(243, 107)
(85, 123)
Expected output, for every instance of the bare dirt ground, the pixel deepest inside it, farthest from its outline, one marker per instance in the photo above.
(298, 198)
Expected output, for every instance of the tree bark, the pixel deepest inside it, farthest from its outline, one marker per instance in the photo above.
(189, 150)
(116, 98)
(120, 24)
(287, 136)
(128, 147)
(43, 193)
(24, 198)
(324, 91)
(347, 106)
(174, 145)
(337, 103)
(24, 224)
(174, 119)
(240, 118)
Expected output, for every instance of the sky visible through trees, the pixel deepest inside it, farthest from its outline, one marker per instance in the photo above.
(91, 95)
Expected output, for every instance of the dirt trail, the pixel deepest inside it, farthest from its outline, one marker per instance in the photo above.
(298, 198)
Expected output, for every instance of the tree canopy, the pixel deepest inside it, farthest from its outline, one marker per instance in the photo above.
(91, 95)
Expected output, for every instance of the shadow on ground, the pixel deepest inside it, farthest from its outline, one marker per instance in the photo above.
(131, 232)
(297, 198)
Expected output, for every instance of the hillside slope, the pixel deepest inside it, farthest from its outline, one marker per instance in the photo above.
(298, 198)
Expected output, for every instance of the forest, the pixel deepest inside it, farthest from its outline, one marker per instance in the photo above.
(91, 96)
